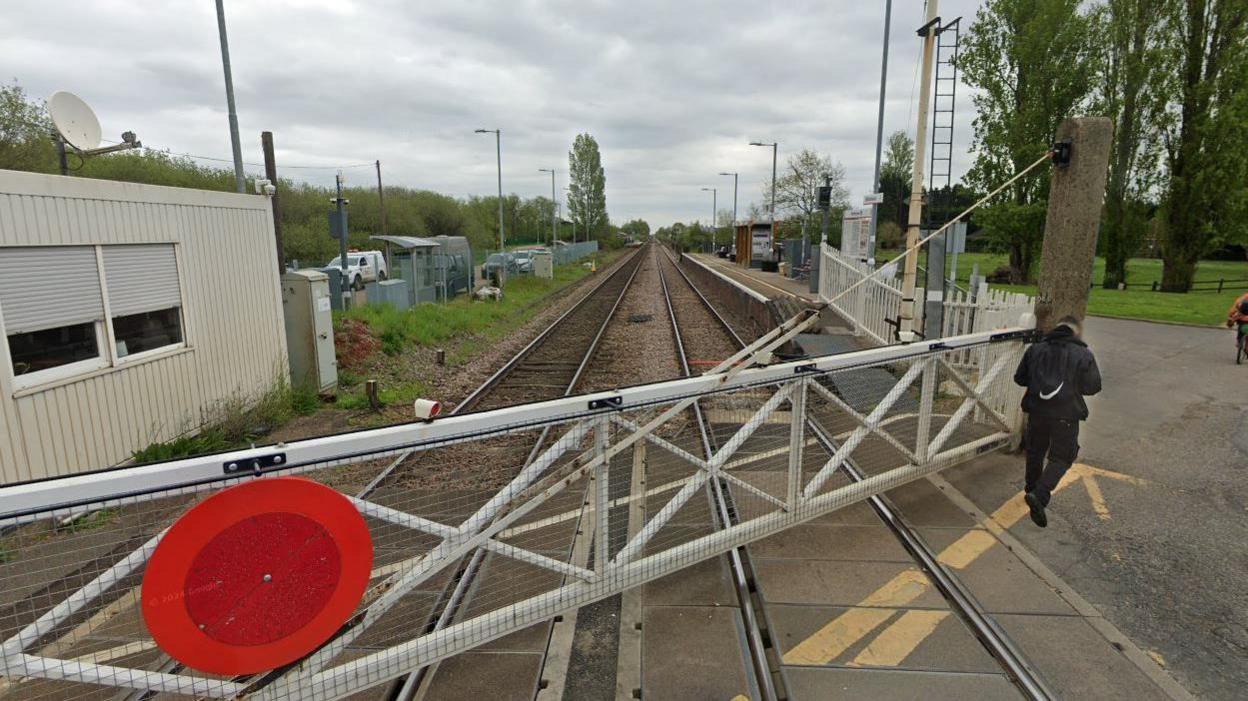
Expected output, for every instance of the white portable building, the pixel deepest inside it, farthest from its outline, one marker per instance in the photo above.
(131, 313)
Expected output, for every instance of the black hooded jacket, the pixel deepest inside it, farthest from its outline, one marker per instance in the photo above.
(1058, 373)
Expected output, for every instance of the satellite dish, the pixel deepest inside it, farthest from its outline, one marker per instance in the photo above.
(74, 120)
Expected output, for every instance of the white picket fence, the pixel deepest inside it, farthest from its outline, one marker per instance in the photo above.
(871, 306)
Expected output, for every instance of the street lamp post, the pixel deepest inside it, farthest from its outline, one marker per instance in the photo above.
(552, 202)
(239, 185)
(775, 147)
(879, 134)
(714, 213)
(734, 197)
(498, 145)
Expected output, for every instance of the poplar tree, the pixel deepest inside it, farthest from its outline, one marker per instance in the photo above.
(587, 199)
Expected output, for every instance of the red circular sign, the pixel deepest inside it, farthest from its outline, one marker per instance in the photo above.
(256, 576)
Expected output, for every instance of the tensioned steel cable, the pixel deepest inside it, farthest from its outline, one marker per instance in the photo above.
(1047, 155)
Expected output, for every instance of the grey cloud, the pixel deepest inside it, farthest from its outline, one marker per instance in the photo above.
(673, 91)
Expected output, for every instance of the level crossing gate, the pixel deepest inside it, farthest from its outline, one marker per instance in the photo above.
(560, 503)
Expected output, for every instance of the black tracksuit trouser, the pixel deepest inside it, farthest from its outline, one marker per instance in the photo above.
(1058, 441)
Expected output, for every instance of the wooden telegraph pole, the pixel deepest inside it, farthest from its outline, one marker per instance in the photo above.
(1077, 189)
(270, 172)
(908, 324)
(381, 201)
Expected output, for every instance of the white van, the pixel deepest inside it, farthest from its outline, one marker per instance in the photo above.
(362, 267)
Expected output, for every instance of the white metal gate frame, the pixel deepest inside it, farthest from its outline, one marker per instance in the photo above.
(788, 383)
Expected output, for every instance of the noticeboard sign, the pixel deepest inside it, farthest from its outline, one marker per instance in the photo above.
(760, 241)
(856, 233)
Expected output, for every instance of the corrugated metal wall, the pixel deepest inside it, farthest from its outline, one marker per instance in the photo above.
(235, 344)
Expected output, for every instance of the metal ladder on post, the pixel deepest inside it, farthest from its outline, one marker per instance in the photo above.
(940, 172)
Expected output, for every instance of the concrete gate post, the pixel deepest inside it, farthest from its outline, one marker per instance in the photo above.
(1076, 193)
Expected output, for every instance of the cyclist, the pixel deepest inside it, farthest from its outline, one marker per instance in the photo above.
(1238, 315)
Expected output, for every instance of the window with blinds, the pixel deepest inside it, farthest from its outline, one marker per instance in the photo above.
(53, 311)
(53, 306)
(144, 297)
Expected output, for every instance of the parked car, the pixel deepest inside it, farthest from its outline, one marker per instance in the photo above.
(362, 267)
(500, 261)
(524, 262)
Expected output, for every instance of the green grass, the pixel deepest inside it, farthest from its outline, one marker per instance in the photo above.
(91, 521)
(440, 325)
(1204, 308)
(235, 423)
(404, 393)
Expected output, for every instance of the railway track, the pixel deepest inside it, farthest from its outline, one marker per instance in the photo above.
(539, 371)
(1018, 669)
(714, 339)
(550, 366)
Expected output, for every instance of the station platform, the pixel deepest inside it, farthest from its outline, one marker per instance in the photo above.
(767, 284)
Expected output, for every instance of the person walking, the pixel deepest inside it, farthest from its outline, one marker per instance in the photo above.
(1058, 372)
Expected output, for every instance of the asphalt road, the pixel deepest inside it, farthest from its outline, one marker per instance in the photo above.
(1166, 556)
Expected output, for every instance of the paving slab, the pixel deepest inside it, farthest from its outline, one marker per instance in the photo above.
(920, 503)
(843, 582)
(497, 676)
(916, 639)
(708, 583)
(816, 684)
(824, 542)
(999, 580)
(695, 652)
(1077, 661)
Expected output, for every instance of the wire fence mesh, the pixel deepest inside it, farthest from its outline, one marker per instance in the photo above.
(480, 539)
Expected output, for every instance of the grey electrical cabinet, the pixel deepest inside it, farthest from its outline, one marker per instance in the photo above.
(309, 330)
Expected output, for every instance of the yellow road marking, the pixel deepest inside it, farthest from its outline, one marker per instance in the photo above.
(899, 591)
(964, 550)
(898, 640)
(1098, 499)
(842, 632)
(836, 637)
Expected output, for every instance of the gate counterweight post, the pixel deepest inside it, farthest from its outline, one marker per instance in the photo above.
(1075, 196)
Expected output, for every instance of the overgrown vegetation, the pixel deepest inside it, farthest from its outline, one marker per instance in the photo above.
(435, 325)
(24, 145)
(376, 342)
(235, 423)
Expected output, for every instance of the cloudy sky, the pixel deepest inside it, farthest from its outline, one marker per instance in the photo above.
(673, 91)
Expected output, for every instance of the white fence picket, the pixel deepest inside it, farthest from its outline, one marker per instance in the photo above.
(870, 307)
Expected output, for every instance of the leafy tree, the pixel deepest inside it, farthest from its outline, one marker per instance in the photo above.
(637, 228)
(587, 199)
(1205, 132)
(25, 132)
(1032, 63)
(25, 145)
(1131, 68)
(896, 172)
(797, 191)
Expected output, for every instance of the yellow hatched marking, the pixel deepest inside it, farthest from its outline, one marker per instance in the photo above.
(1098, 499)
(895, 643)
(898, 591)
(963, 551)
(837, 636)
